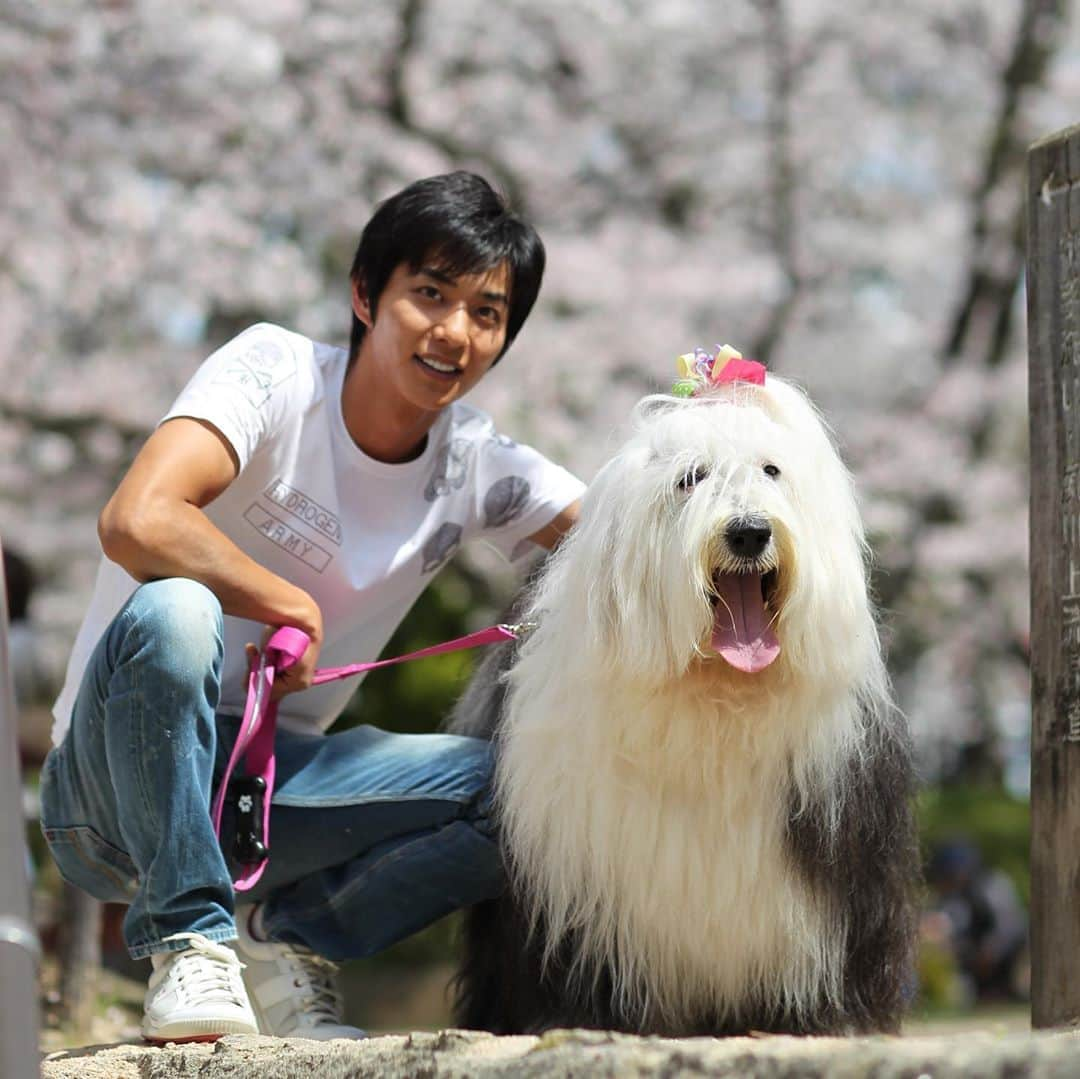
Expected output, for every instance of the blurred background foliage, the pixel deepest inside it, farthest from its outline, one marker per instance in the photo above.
(415, 697)
(995, 821)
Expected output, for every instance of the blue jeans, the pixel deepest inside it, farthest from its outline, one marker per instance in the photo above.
(372, 835)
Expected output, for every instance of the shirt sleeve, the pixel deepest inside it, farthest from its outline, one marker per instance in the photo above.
(243, 389)
(518, 492)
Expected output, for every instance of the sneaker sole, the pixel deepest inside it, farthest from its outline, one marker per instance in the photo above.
(183, 1041)
(198, 1030)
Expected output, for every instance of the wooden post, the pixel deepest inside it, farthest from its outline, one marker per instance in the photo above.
(1053, 283)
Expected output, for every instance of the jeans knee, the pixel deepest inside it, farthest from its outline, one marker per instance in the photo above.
(180, 621)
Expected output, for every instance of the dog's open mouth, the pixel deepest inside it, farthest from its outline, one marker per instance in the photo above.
(742, 621)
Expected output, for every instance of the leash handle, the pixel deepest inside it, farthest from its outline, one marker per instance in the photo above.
(285, 647)
(256, 741)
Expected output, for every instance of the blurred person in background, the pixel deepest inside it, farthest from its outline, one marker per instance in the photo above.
(976, 914)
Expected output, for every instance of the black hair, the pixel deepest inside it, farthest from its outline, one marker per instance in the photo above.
(461, 225)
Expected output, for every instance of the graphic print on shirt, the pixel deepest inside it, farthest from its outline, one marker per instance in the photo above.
(505, 501)
(440, 545)
(451, 468)
(287, 538)
(257, 370)
(289, 518)
(298, 505)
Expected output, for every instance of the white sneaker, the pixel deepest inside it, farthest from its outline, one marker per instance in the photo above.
(293, 991)
(197, 994)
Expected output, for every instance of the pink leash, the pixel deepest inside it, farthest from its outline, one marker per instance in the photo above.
(255, 741)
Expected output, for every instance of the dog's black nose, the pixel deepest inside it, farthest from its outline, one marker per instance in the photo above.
(748, 537)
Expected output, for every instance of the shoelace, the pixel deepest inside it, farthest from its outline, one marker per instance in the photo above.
(315, 980)
(207, 970)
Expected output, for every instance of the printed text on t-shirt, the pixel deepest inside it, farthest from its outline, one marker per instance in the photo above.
(305, 509)
(290, 541)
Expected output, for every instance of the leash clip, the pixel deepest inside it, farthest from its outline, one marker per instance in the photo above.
(519, 629)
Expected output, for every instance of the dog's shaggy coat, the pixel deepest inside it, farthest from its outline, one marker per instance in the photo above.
(702, 784)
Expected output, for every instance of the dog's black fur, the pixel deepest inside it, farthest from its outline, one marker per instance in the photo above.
(868, 864)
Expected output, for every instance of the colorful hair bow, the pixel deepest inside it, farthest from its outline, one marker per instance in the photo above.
(699, 369)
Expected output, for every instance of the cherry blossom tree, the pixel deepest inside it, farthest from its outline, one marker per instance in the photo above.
(836, 190)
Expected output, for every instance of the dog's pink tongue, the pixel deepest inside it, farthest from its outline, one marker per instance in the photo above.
(741, 630)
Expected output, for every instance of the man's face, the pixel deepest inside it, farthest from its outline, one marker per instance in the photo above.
(434, 336)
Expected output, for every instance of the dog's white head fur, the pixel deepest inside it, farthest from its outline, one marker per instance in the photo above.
(644, 781)
(642, 559)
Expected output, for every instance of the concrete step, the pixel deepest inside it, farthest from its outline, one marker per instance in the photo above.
(455, 1054)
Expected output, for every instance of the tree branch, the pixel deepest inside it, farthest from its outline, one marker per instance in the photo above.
(983, 318)
(400, 110)
(783, 226)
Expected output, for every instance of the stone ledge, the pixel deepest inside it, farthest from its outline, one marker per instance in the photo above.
(456, 1054)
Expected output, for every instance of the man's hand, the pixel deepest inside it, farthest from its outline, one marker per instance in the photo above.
(299, 675)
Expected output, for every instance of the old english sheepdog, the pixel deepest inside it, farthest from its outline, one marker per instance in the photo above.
(702, 783)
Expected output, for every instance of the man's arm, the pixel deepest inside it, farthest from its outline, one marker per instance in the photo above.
(154, 527)
(549, 536)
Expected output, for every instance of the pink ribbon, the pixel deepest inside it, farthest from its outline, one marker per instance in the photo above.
(739, 370)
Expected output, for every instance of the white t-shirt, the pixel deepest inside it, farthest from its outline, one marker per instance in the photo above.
(362, 537)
